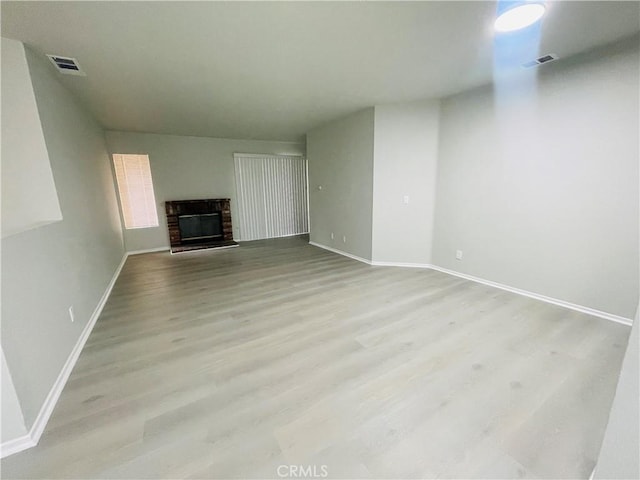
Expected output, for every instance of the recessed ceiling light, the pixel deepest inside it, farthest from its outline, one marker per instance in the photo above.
(519, 17)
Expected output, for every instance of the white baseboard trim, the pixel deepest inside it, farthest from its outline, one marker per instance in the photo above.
(16, 445)
(400, 264)
(543, 298)
(148, 250)
(33, 437)
(340, 252)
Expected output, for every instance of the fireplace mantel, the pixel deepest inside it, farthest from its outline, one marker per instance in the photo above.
(210, 207)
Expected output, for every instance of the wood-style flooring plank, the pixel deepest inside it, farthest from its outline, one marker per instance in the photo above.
(233, 363)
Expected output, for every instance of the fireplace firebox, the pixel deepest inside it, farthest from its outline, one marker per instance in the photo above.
(200, 227)
(198, 224)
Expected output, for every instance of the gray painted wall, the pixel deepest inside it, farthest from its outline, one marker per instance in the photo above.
(540, 189)
(619, 453)
(340, 158)
(29, 196)
(405, 164)
(187, 168)
(12, 420)
(48, 269)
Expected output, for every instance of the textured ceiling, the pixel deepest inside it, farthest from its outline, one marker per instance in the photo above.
(274, 70)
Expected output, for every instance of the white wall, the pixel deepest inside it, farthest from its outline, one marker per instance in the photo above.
(405, 164)
(619, 453)
(540, 191)
(29, 197)
(341, 162)
(71, 262)
(12, 420)
(186, 168)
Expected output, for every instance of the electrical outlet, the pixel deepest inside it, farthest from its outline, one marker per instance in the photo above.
(332, 236)
(71, 314)
(344, 239)
(458, 254)
(405, 199)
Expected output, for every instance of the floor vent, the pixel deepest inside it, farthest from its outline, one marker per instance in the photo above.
(540, 60)
(66, 65)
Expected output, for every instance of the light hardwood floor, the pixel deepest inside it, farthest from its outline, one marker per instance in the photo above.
(228, 364)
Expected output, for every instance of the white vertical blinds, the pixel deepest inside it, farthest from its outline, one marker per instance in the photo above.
(135, 187)
(271, 196)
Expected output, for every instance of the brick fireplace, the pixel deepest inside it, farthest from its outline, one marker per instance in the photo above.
(199, 224)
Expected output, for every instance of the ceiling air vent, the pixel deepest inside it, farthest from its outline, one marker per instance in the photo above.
(66, 65)
(540, 60)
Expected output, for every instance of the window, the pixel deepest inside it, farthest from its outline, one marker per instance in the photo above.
(135, 187)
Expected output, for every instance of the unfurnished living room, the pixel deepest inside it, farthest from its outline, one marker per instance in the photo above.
(273, 240)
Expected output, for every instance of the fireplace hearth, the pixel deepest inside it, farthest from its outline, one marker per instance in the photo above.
(199, 224)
